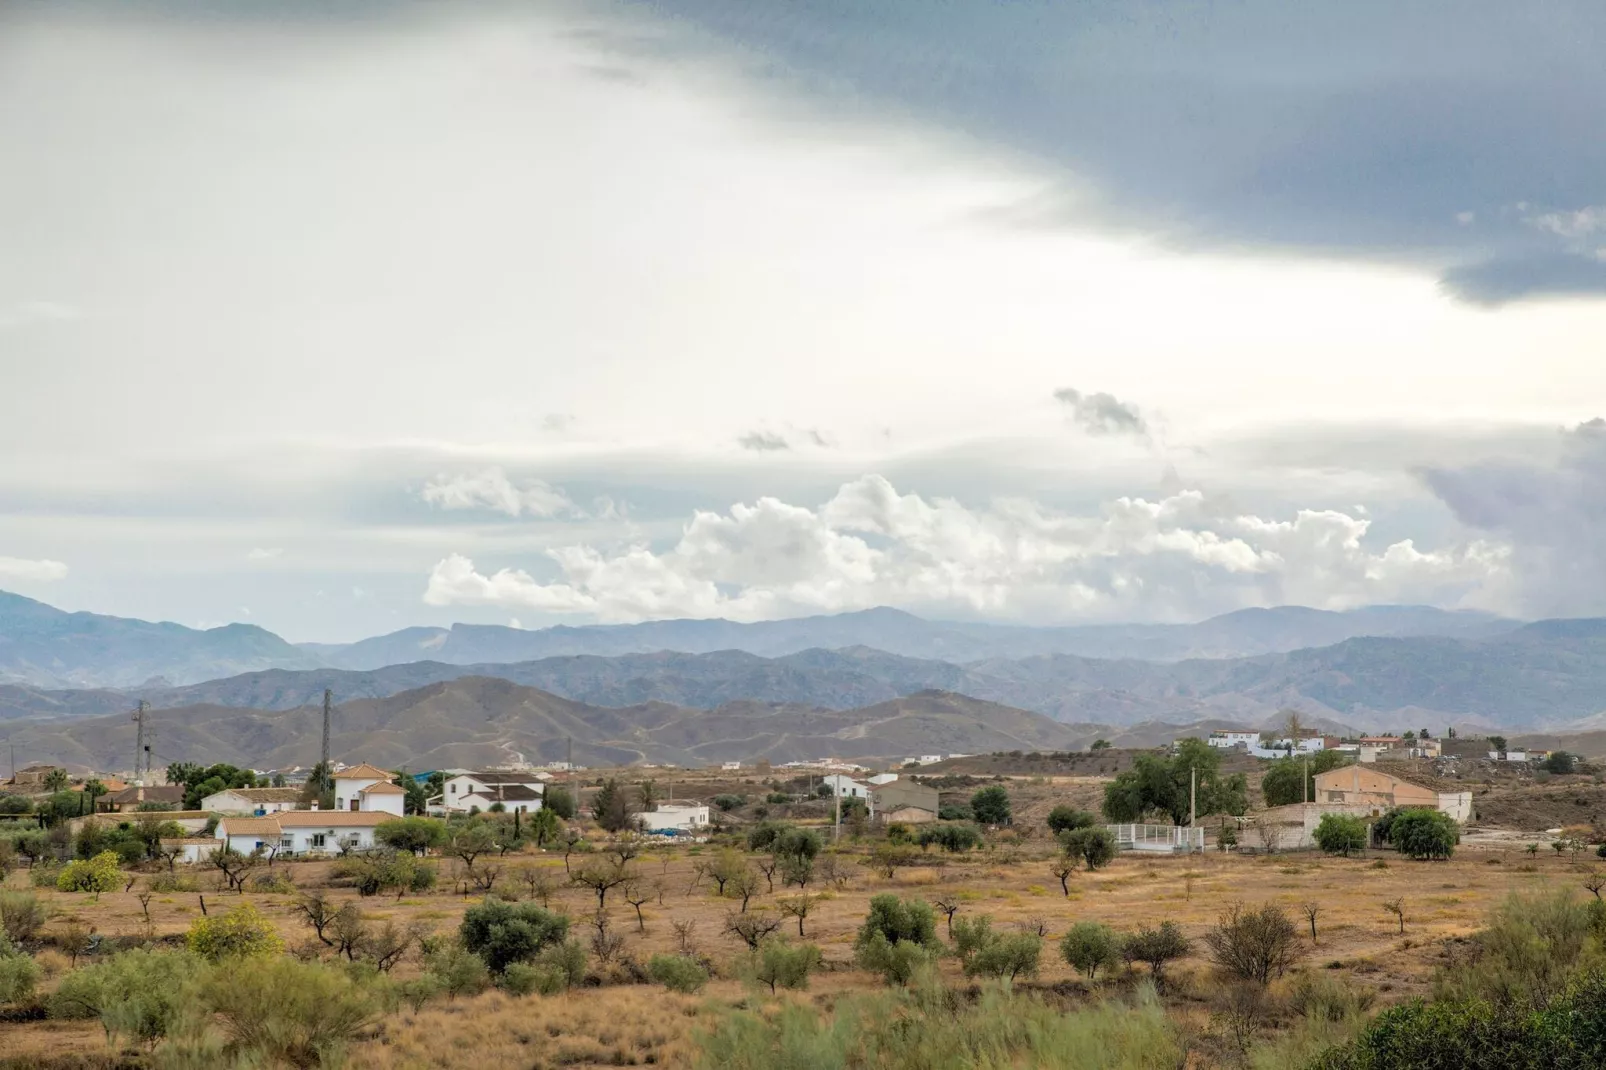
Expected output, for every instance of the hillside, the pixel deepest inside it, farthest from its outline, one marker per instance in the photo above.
(481, 721)
(47, 647)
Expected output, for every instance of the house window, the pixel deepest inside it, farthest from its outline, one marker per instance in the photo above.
(317, 839)
(354, 804)
(286, 843)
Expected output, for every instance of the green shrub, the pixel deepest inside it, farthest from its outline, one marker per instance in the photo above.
(523, 978)
(414, 835)
(241, 933)
(459, 971)
(164, 883)
(1065, 818)
(284, 1012)
(1525, 954)
(1089, 946)
(22, 915)
(1156, 946)
(1094, 845)
(900, 921)
(970, 935)
(502, 933)
(951, 837)
(896, 963)
(274, 882)
(1419, 833)
(1317, 994)
(139, 994)
(1339, 834)
(990, 805)
(18, 976)
(96, 875)
(566, 960)
(782, 965)
(1009, 956)
(677, 973)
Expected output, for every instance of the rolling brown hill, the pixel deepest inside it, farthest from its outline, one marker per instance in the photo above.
(483, 721)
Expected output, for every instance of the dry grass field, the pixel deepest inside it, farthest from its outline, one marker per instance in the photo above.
(624, 1024)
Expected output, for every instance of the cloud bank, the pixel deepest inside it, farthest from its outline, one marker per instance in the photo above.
(493, 491)
(1179, 557)
(41, 571)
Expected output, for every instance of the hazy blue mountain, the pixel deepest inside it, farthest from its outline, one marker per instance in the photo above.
(47, 647)
(1240, 634)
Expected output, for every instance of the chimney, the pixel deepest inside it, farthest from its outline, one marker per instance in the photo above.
(315, 804)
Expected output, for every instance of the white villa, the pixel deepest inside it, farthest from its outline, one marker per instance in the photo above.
(516, 791)
(368, 788)
(303, 831)
(257, 802)
(683, 817)
(846, 786)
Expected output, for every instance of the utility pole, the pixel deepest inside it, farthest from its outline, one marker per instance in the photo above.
(139, 739)
(836, 790)
(1304, 783)
(1193, 795)
(323, 754)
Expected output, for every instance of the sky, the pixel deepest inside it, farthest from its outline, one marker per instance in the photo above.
(339, 318)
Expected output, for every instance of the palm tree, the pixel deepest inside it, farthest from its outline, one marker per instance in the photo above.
(56, 780)
(94, 789)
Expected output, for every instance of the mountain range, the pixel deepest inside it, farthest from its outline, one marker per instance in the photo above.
(1547, 675)
(42, 646)
(480, 721)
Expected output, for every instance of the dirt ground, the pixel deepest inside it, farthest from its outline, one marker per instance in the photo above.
(638, 1024)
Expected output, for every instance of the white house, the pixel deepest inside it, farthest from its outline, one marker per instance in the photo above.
(846, 787)
(882, 778)
(303, 831)
(685, 817)
(1234, 739)
(1508, 756)
(367, 787)
(191, 849)
(730, 767)
(515, 791)
(257, 802)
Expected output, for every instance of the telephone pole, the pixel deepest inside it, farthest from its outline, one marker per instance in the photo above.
(323, 754)
(139, 739)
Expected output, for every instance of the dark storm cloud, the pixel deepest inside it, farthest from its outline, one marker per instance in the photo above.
(1442, 133)
(1551, 513)
(1101, 414)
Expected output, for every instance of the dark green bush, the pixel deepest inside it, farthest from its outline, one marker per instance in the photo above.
(502, 933)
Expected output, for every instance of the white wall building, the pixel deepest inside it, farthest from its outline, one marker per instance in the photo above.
(514, 790)
(303, 831)
(257, 802)
(1234, 739)
(684, 817)
(882, 778)
(367, 787)
(846, 787)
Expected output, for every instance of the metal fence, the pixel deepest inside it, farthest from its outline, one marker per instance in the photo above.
(1158, 837)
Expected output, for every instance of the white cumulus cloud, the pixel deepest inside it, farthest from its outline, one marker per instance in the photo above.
(1181, 556)
(21, 568)
(492, 489)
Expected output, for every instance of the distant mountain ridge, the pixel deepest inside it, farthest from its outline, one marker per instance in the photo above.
(44, 647)
(1537, 677)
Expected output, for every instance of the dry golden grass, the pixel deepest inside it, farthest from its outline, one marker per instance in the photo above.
(641, 1024)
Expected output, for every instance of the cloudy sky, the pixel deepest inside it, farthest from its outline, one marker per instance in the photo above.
(349, 317)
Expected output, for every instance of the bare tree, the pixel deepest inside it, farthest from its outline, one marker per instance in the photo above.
(833, 870)
(601, 877)
(348, 930)
(1311, 910)
(743, 885)
(1062, 868)
(767, 865)
(799, 907)
(234, 866)
(1595, 882)
(685, 932)
(1036, 925)
(1255, 945)
(752, 929)
(570, 841)
(318, 911)
(637, 895)
(538, 884)
(949, 905)
(485, 877)
(625, 848)
(605, 943)
(1397, 908)
(700, 868)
